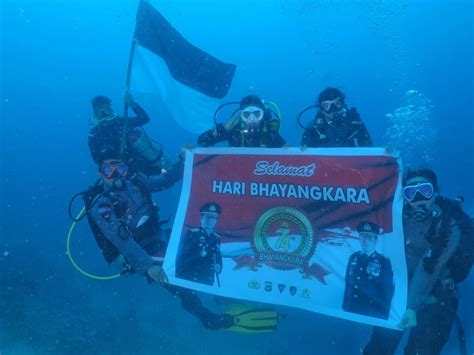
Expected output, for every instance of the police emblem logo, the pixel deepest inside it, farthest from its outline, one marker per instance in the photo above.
(105, 210)
(284, 238)
(367, 227)
(373, 268)
(212, 208)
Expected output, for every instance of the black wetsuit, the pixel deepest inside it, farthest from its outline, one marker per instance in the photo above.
(105, 138)
(124, 221)
(348, 131)
(237, 137)
(436, 311)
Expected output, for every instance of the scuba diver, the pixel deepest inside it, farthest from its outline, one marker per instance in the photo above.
(137, 149)
(335, 125)
(125, 223)
(439, 253)
(253, 125)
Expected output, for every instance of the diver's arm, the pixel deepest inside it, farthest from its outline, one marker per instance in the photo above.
(111, 228)
(364, 139)
(309, 139)
(213, 136)
(166, 180)
(141, 118)
(423, 282)
(278, 141)
(360, 136)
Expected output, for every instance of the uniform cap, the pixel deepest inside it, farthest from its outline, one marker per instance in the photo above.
(211, 208)
(368, 228)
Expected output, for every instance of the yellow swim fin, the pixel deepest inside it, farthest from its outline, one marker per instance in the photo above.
(254, 320)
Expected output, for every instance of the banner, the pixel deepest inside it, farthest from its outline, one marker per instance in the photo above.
(319, 229)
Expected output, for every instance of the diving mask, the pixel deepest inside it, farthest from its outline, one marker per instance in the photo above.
(102, 114)
(114, 170)
(251, 114)
(329, 106)
(419, 192)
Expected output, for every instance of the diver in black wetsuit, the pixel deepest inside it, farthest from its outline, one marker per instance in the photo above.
(335, 125)
(433, 246)
(251, 126)
(125, 222)
(139, 151)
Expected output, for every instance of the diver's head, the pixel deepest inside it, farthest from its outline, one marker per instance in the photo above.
(111, 171)
(209, 214)
(332, 104)
(420, 189)
(102, 108)
(252, 111)
(368, 233)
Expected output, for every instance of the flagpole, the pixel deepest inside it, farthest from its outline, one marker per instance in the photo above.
(127, 88)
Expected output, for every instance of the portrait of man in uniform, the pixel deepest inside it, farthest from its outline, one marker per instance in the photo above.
(199, 257)
(369, 277)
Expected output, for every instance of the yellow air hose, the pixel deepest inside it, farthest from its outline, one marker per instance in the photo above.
(276, 108)
(71, 259)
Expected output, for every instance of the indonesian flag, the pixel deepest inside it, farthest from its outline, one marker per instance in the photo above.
(186, 80)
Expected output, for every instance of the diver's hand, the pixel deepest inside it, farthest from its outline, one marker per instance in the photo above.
(128, 99)
(157, 274)
(231, 123)
(408, 319)
(183, 149)
(392, 151)
(448, 284)
(303, 147)
(217, 268)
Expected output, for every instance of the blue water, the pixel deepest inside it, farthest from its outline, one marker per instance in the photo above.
(57, 55)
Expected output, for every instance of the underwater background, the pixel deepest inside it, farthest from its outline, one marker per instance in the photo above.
(407, 65)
